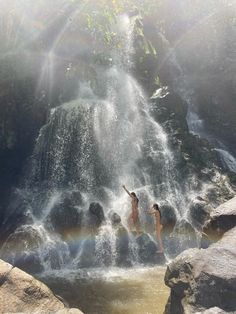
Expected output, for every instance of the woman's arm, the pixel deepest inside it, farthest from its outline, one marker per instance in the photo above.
(126, 190)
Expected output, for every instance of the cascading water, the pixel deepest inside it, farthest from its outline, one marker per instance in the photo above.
(197, 127)
(88, 149)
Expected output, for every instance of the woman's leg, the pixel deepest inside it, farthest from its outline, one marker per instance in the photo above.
(130, 221)
(137, 225)
(158, 232)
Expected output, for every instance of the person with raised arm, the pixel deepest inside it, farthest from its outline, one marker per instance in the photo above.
(155, 211)
(134, 216)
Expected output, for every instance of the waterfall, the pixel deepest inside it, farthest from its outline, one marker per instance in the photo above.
(88, 149)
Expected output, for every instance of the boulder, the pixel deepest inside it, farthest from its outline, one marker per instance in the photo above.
(199, 212)
(122, 247)
(168, 221)
(148, 250)
(222, 219)
(28, 249)
(75, 197)
(115, 218)
(95, 216)
(183, 237)
(168, 218)
(20, 292)
(69, 311)
(204, 279)
(21, 249)
(66, 217)
(17, 214)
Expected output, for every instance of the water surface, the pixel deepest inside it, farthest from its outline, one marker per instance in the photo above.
(112, 291)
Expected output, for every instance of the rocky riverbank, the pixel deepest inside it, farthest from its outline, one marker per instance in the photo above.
(204, 280)
(20, 292)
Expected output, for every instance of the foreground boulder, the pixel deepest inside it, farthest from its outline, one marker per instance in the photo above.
(222, 219)
(22, 293)
(204, 279)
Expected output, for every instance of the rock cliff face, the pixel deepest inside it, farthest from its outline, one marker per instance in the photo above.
(210, 71)
(204, 281)
(20, 292)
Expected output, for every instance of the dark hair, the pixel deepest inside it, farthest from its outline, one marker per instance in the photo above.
(133, 194)
(156, 207)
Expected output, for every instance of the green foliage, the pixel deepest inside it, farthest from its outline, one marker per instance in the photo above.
(102, 16)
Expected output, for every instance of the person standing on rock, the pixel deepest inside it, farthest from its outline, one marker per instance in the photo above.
(134, 216)
(155, 211)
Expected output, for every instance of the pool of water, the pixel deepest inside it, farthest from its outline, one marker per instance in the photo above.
(112, 291)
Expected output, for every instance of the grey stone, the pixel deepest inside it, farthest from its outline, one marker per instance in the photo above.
(148, 250)
(115, 218)
(22, 293)
(183, 237)
(199, 211)
(95, 217)
(221, 219)
(122, 247)
(204, 279)
(69, 311)
(66, 217)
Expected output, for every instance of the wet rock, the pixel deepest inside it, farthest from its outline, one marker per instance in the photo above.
(205, 241)
(168, 218)
(18, 214)
(66, 217)
(20, 292)
(75, 197)
(222, 219)
(168, 221)
(115, 218)
(204, 279)
(183, 237)
(122, 247)
(95, 216)
(199, 212)
(29, 262)
(28, 249)
(148, 250)
(21, 247)
(69, 311)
